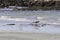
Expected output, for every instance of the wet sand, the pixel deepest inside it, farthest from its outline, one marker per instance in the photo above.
(28, 36)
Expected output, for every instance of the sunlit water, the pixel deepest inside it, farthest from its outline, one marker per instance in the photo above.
(50, 17)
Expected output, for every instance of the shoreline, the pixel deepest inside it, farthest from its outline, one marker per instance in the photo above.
(14, 8)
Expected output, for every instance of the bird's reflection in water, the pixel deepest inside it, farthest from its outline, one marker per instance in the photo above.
(37, 24)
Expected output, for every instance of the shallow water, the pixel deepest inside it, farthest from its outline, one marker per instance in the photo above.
(30, 13)
(48, 17)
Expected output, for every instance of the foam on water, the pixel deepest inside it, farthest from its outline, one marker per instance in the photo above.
(16, 19)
